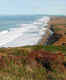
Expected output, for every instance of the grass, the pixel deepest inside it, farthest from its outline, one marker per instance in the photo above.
(24, 70)
(55, 49)
(50, 48)
(60, 24)
(58, 29)
(23, 51)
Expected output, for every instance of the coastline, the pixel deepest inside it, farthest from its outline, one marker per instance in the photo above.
(20, 60)
(41, 32)
(27, 34)
(58, 26)
(48, 34)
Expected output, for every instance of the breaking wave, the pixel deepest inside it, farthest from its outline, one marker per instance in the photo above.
(26, 34)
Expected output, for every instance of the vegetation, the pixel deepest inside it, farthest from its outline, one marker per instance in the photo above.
(32, 63)
(58, 29)
(23, 50)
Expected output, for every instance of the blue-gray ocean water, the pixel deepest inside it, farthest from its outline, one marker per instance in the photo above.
(7, 22)
(16, 31)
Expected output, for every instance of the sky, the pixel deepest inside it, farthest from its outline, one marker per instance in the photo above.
(27, 7)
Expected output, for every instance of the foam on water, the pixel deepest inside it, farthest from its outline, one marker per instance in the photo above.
(26, 34)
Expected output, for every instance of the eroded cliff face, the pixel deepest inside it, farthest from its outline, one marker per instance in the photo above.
(58, 26)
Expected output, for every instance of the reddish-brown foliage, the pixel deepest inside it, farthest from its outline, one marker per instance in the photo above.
(45, 55)
(35, 58)
(46, 58)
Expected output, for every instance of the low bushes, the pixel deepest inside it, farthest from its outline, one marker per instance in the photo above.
(33, 65)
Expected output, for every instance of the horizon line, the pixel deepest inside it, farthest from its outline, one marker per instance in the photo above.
(32, 14)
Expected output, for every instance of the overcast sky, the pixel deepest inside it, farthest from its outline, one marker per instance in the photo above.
(20, 7)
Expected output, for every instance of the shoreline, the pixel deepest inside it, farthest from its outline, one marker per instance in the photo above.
(48, 38)
(58, 26)
(48, 34)
(29, 34)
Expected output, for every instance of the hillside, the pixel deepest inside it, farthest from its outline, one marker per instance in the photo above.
(32, 63)
(40, 62)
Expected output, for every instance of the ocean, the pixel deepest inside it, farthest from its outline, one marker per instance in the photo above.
(16, 31)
